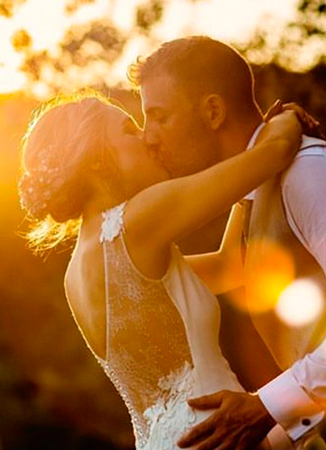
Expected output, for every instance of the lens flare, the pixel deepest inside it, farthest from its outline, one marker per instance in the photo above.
(269, 269)
(300, 303)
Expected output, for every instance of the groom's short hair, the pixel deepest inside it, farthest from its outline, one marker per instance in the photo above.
(200, 64)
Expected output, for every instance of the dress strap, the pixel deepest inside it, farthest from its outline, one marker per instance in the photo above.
(112, 223)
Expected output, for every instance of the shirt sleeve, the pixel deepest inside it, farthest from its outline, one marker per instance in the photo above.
(296, 399)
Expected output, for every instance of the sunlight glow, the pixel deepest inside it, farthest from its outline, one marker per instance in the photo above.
(42, 20)
(270, 270)
(233, 20)
(123, 13)
(46, 22)
(300, 303)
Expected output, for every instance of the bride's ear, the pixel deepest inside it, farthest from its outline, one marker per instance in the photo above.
(213, 110)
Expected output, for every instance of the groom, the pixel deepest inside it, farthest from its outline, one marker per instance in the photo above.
(197, 93)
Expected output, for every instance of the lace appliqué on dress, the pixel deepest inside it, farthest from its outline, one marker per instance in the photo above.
(112, 223)
(171, 416)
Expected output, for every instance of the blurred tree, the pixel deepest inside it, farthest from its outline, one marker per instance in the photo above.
(148, 15)
(21, 40)
(73, 5)
(312, 17)
(94, 45)
(306, 34)
(299, 45)
(9, 7)
(86, 52)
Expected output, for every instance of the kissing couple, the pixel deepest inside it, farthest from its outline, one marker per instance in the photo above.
(149, 314)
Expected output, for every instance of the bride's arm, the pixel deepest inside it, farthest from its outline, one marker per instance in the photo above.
(170, 210)
(223, 270)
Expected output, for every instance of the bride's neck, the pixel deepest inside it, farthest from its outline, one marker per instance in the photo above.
(92, 216)
(101, 199)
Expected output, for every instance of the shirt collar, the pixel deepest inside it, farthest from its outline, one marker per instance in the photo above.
(254, 136)
(251, 143)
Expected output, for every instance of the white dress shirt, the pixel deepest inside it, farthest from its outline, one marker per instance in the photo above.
(296, 399)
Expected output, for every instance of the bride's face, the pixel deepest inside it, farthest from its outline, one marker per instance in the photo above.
(139, 166)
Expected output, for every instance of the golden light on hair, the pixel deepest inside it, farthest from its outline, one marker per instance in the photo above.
(51, 195)
(270, 268)
(300, 303)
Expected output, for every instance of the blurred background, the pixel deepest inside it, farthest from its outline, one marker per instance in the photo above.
(52, 392)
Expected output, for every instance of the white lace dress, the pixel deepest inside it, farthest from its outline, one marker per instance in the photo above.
(162, 341)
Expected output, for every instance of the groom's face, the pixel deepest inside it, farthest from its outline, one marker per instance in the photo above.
(174, 128)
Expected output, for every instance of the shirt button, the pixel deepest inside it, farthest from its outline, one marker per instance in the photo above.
(306, 422)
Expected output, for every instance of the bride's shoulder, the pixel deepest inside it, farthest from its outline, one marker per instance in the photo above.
(87, 255)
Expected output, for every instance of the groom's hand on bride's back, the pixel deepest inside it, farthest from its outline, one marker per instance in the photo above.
(240, 421)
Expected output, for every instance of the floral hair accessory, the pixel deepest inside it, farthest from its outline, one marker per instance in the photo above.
(37, 185)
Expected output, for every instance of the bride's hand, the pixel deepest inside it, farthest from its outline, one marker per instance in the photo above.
(284, 130)
(310, 126)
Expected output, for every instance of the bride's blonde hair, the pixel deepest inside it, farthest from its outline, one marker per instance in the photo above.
(65, 136)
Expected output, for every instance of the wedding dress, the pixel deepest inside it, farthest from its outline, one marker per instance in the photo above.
(162, 341)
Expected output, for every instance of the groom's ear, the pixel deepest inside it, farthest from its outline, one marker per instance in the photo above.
(213, 110)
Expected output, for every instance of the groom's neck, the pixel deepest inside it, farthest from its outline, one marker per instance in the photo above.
(238, 134)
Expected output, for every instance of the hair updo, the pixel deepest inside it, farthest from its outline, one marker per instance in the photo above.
(64, 137)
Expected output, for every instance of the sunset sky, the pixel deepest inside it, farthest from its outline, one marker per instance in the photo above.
(45, 21)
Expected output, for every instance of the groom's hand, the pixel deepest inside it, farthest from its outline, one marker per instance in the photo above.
(240, 422)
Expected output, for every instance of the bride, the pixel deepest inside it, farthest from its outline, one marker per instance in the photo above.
(148, 318)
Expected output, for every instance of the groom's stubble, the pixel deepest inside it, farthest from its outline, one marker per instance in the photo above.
(176, 129)
(174, 80)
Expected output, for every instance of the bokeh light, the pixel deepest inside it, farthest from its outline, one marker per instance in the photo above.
(270, 268)
(300, 303)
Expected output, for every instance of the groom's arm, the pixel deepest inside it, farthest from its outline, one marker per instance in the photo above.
(223, 271)
(295, 399)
